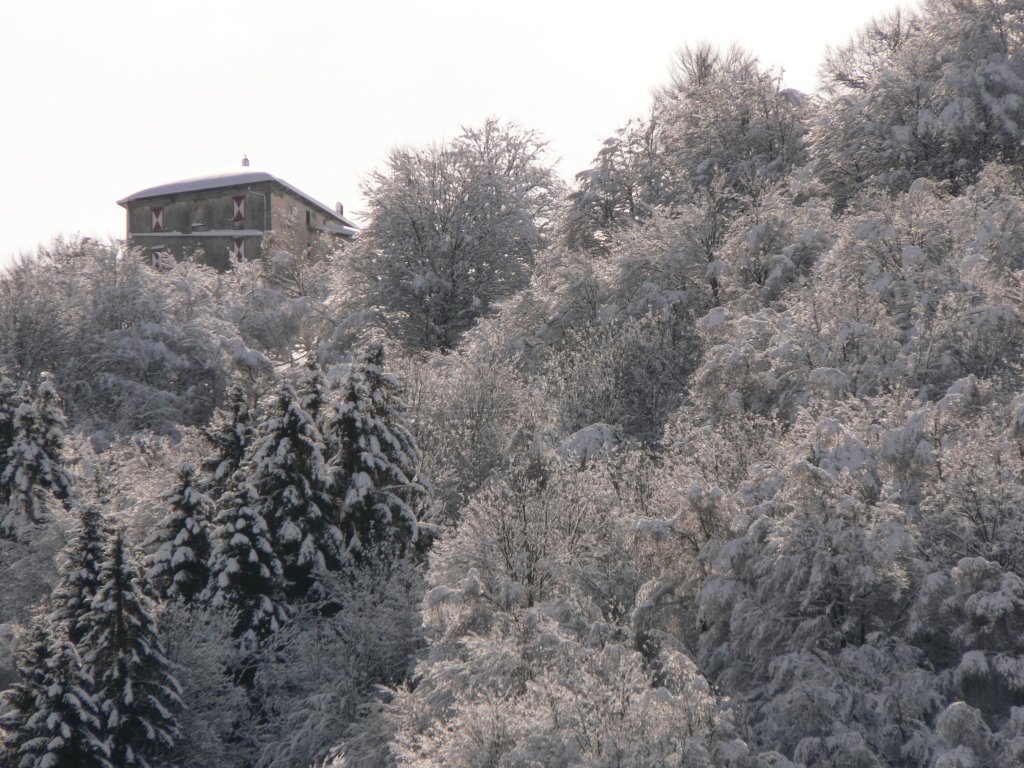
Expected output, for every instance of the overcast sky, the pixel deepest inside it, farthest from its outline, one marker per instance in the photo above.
(104, 97)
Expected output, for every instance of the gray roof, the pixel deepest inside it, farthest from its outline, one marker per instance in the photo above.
(232, 178)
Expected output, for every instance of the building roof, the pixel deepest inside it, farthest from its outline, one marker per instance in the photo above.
(231, 178)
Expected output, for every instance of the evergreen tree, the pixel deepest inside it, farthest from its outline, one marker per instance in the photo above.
(245, 573)
(56, 719)
(316, 396)
(231, 434)
(63, 729)
(10, 399)
(33, 469)
(313, 393)
(374, 471)
(179, 566)
(291, 479)
(53, 719)
(52, 429)
(137, 692)
(80, 573)
(19, 701)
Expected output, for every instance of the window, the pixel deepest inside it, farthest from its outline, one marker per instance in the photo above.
(158, 218)
(161, 257)
(239, 214)
(237, 249)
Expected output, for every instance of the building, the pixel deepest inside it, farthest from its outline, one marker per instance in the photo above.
(224, 216)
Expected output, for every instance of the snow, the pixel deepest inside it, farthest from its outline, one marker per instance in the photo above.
(961, 757)
(831, 379)
(972, 664)
(336, 229)
(589, 443)
(912, 255)
(714, 318)
(656, 530)
(229, 178)
(441, 594)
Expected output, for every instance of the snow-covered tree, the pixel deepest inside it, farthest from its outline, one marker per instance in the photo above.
(615, 192)
(136, 690)
(19, 700)
(461, 446)
(179, 564)
(453, 229)
(320, 671)
(35, 332)
(629, 374)
(54, 717)
(935, 94)
(231, 432)
(60, 715)
(290, 477)
(374, 472)
(724, 115)
(312, 391)
(129, 346)
(80, 568)
(529, 692)
(215, 721)
(531, 659)
(728, 445)
(723, 121)
(65, 727)
(10, 398)
(246, 576)
(33, 473)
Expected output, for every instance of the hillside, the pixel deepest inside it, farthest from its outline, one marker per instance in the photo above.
(715, 458)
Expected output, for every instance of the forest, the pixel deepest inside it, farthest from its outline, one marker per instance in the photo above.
(711, 458)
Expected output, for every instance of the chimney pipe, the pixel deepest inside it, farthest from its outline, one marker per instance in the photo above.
(245, 161)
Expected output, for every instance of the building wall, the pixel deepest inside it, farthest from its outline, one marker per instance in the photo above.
(203, 221)
(203, 224)
(292, 220)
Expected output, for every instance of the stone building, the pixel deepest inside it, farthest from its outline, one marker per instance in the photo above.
(225, 216)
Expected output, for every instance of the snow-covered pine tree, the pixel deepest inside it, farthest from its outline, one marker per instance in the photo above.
(245, 573)
(231, 433)
(312, 391)
(291, 479)
(53, 716)
(64, 729)
(18, 702)
(179, 565)
(33, 470)
(10, 399)
(52, 429)
(80, 573)
(374, 471)
(137, 692)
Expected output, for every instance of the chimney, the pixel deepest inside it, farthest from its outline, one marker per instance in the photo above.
(339, 209)
(245, 161)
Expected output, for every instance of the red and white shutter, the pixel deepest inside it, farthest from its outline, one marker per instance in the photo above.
(158, 218)
(239, 214)
(237, 250)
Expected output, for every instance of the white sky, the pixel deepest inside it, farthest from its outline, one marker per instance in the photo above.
(101, 98)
